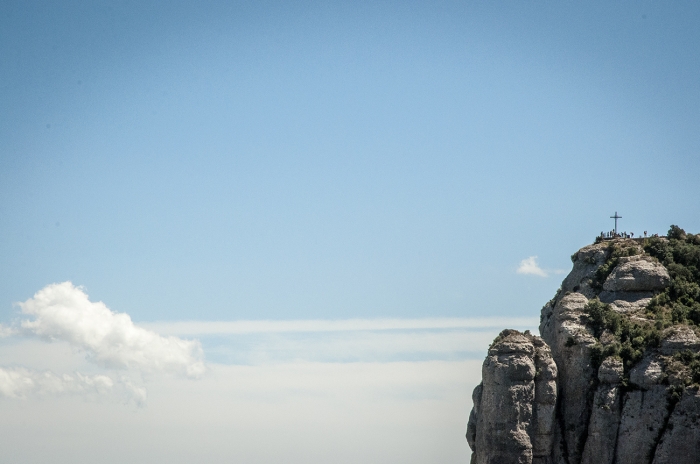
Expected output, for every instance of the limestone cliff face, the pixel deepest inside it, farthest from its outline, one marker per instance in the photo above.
(609, 381)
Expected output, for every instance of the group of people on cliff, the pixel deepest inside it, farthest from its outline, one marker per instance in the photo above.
(613, 234)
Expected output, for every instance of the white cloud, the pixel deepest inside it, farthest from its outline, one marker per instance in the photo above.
(342, 325)
(6, 331)
(20, 382)
(64, 312)
(332, 347)
(349, 340)
(17, 382)
(529, 266)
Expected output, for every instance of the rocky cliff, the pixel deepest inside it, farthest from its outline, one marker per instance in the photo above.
(613, 376)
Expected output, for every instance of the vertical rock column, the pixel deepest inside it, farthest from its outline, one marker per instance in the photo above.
(605, 415)
(544, 413)
(563, 327)
(681, 441)
(644, 413)
(513, 416)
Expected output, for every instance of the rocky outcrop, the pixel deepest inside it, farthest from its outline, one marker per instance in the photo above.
(564, 330)
(586, 262)
(583, 393)
(679, 338)
(637, 273)
(513, 416)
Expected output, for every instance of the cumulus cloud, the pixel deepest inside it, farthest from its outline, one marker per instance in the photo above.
(64, 312)
(6, 331)
(19, 382)
(529, 266)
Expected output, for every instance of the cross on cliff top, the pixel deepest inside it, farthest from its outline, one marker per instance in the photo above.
(616, 217)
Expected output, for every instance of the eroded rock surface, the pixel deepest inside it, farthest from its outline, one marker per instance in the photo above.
(605, 415)
(513, 416)
(680, 443)
(678, 339)
(586, 261)
(570, 339)
(644, 413)
(637, 274)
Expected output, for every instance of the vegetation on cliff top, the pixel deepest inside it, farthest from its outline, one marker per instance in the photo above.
(678, 304)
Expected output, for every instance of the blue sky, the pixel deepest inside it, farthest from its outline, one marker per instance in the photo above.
(290, 161)
(275, 160)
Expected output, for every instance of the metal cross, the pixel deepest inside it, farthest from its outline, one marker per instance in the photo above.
(616, 217)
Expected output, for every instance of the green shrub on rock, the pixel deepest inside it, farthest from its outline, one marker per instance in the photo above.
(618, 334)
(627, 338)
(679, 303)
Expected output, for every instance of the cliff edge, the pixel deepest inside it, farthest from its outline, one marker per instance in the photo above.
(614, 376)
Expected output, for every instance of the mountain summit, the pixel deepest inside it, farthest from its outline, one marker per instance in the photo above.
(615, 375)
